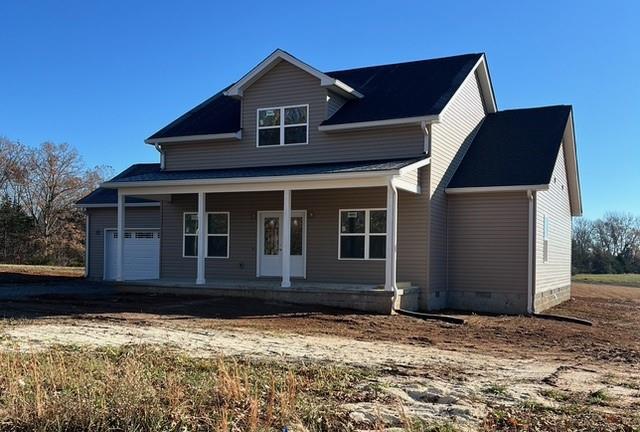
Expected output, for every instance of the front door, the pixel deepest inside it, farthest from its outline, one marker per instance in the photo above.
(270, 243)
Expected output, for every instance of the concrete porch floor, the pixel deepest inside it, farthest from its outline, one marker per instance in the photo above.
(364, 297)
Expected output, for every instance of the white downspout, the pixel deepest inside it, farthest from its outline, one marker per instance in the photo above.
(159, 148)
(426, 130)
(531, 251)
(392, 241)
(87, 233)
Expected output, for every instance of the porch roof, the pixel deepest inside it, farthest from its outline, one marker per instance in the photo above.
(149, 174)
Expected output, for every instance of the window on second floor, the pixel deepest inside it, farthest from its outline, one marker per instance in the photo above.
(283, 125)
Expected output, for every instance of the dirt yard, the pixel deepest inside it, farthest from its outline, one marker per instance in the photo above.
(505, 373)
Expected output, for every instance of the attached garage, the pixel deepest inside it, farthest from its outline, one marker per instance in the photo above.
(142, 236)
(141, 254)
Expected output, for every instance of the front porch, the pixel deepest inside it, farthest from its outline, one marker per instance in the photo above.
(362, 297)
(327, 239)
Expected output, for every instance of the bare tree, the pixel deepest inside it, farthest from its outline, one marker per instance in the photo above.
(12, 155)
(617, 234)
(55, 178)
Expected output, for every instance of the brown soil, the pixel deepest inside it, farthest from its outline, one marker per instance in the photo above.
(494, 372)
(614, 311)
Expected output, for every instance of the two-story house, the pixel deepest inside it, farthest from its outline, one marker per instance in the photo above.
(398, 185)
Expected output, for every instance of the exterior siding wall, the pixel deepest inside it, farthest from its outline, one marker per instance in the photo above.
(322, 235)
(285, 84)
(334, 102)
(449, 142)
(555, 274)
(488, 252)
(103, 218)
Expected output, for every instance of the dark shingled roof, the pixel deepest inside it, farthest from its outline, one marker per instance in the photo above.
(152, 172)
(108, 196)
(401, 90)
(514, 148)
(413, 89)
(218, 114)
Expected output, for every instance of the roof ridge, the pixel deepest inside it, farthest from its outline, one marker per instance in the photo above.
(541, 107)
(404, 63)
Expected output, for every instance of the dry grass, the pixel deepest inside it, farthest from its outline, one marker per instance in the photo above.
(144, 389)
(629, 279)
(570, 416)
(42, 270)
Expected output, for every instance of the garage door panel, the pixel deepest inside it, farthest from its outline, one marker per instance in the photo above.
(141, 255)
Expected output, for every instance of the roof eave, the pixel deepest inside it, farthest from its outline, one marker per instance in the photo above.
(493, 189)
(268, 179)
(573, 174)
(486, 87)
(190, 138)
(109, 205)
(380, 123)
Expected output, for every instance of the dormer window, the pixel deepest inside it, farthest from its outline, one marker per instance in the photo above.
(288, 125)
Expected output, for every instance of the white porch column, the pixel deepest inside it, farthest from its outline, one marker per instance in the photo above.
(286, 240)
(392, 237)
(120, 240)
(202, 226)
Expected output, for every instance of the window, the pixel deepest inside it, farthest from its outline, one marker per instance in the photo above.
(363, 234)
(545, 238)
(283, 126)
(190, 235)
(217, 235)
(217, 244)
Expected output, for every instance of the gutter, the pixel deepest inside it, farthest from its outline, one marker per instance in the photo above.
(192, 138)
(380, 123)
(241, 180)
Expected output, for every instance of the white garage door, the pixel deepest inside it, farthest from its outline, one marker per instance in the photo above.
(141, 254)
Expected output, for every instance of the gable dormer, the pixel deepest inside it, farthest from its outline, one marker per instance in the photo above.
(279, 56)
(286, 112)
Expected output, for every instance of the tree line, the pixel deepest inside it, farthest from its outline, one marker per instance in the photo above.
(607, 245)
(39, 223)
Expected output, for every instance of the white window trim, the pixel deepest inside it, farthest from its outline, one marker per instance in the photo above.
(206, 246)
(227, 235)
(366, 234)
(281, 126)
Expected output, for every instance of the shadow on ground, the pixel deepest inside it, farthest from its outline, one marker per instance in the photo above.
(24, 278)
(103, 300)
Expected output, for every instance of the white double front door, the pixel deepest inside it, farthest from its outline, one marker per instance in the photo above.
(270, 243)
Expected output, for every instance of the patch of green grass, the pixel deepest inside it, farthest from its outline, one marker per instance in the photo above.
(599, 397)
(629, 279)
(555, 395)
(145, 389)
(495, 389)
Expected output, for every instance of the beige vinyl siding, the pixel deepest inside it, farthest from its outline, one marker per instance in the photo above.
(556, 273)
(104, 218)
(488, 251)
(449, 142)
(334, 102)
(322, 234)
(287, 85)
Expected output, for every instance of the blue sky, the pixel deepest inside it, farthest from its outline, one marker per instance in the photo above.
(105, 75)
